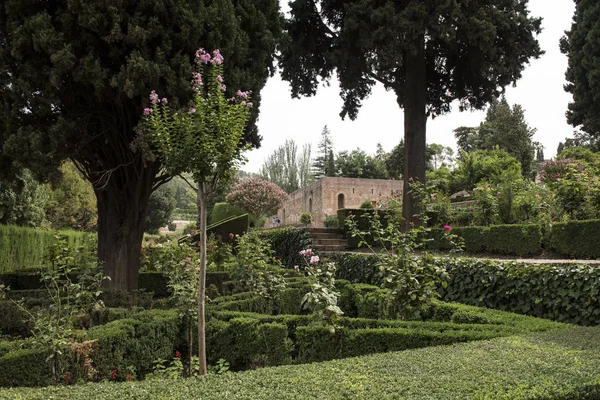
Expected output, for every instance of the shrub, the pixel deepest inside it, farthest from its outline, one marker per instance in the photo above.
(331, 221)
(576, 238)
(25, 367)
(223, 211)
(306, 218)
(367, 205)
(236, 225)
(357, 268)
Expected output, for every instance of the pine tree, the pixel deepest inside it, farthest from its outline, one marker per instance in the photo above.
(324, 164)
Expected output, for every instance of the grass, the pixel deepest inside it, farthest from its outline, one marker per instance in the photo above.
(548, 365)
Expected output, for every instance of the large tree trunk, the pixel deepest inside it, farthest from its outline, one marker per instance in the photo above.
(202, 200)
(122, 208)
(415, 120)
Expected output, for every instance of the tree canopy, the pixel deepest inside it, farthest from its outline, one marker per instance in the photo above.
(429, 53)
(582, 46)
(74, 79)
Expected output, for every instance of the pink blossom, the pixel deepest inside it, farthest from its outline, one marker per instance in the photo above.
(223, 87)
(489, 186)
(202, 56)
(188, 259)
(297, 268)
(243, 103)
(219, 78)
(164, 100)
(197, 81)
(249, 104)
(192, 110)
(217, 57)
(153, 97)
(243, 95)
(306, 253)
(314, 260)
(147, 111)
(447, 228)
(498, 194)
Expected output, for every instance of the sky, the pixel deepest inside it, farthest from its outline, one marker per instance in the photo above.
(539, 91)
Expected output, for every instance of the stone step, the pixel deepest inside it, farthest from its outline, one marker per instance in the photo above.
(324, 230)
(331, 248)
(328, 241)
(326, 235)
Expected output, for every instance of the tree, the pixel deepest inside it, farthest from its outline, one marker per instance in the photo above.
(324, 164)
(358, 164)
(71, 201)
(74, 77)
(23, 200)
(494, 166)
(429, 53)
(504, 127)
(286, 168)
(394, 162)
(160, 209)
(203, 141)
(582, 47)
(439, 155)
(256, 196)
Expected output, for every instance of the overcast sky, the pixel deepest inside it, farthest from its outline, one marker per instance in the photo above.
(539, 91)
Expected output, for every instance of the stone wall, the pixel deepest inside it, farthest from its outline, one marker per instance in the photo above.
(326, 195)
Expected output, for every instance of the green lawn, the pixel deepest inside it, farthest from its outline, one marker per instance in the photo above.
(550, 365)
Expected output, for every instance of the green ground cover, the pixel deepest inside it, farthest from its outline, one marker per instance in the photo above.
(562, 364)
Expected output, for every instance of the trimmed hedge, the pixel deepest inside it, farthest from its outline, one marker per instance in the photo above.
(556, 365)
(24, 248)
(287, 244)
(567, 293)
(576, 239)
(519, 239)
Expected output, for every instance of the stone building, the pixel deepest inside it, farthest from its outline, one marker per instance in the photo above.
(325, 196)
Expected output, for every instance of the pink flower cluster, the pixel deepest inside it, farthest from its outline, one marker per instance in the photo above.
(314, 260)
(306, 253)
(447, 228)
(256, 196)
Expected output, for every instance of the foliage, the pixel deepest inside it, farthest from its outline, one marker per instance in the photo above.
(331, 221)
(287, 168)
(411, 281)
(575, 239)
(287, 243)
(488, 368)
(504, 127)
(577, 189)
(427, 69)
(52, 328)
(494, 166)
(110, 58)
(367, 205)
(71, 201)
(160, 208)
(306, 218)
(24, 248)
(486, 205)
(358, 164)
(23, 200)
(566, 293)
(222, 211)
(322, 299)
(582, 73)
(256, 196)
(252, 270)
(324, 163)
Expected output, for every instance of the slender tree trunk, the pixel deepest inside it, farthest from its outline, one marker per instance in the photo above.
(415, 120)
(202, 199)
(122, 209)
(190, 346)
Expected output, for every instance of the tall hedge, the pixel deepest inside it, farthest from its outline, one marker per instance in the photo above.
(287, 244)
(24, 248)
(566, 293)
(578, 239)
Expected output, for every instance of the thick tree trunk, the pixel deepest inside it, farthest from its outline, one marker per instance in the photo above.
(122, 208)
(202, 200)
(415, 120)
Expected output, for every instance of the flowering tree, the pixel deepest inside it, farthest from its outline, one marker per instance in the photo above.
(203, 141)
(257, 196)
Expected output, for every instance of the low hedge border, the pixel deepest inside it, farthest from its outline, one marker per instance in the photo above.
(576, 239)
(557, 365)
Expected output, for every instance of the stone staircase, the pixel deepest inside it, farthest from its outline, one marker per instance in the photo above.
(327, 239)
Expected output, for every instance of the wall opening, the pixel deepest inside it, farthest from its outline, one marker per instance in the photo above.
(341, 200)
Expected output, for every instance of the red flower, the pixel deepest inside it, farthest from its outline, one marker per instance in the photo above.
(177, 354)
(447, 228)
(277, 258)
(231, 236)
(67, 378)
(114, 375)
(129, 378)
